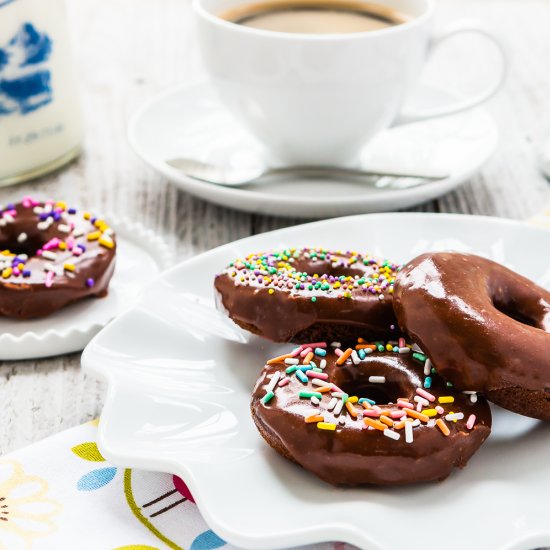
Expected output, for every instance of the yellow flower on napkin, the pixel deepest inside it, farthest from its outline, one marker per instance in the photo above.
(25, 511)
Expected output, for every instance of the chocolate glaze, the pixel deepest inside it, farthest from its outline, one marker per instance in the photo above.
(289, 314)
(486, 327)
(29, 297)
(353, 454)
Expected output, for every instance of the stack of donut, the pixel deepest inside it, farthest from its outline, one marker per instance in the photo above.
(391, 384)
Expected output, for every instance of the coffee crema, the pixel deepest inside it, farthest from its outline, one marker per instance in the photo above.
(315, 16)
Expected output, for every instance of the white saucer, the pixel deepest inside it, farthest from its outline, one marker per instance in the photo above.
(190, 121)
(180, 376)
(141, 255)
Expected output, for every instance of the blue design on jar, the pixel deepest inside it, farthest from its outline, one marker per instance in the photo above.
(25, 79)
(5, 2)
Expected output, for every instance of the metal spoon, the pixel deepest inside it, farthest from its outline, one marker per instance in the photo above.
(236, 177)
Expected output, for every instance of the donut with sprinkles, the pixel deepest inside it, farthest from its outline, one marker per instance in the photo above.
(374, 413)
(50, 256)
(298, 294)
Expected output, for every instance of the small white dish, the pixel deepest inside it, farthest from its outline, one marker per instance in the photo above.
(180, 376)
(189, 121)
(141, 255)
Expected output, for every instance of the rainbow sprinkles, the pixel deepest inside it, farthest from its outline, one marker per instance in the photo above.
(305, 270)
(333, 409)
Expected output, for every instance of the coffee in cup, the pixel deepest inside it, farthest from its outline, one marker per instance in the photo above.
(314, 16)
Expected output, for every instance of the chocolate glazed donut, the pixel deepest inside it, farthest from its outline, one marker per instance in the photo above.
(358, 422)
(309, 294)
(485, 327)
(51, 256)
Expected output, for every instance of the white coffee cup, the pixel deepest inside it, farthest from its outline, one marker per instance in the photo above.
(318, 98)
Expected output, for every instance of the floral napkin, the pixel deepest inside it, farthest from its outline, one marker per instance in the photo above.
(61, 494)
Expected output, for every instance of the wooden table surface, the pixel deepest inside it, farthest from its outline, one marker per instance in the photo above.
(129, 50)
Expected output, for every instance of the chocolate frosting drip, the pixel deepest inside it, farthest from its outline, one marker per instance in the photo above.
(283, 313)
(29, 296)
(353, 454)
(486, 327)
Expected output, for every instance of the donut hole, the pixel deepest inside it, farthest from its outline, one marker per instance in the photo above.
(508, 310)
(29, 247)
(11, 238)
(388, 392)
(323, 268)
(375, 393)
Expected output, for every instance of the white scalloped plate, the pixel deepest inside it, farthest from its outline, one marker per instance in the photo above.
(179, 380)
(141, 256)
